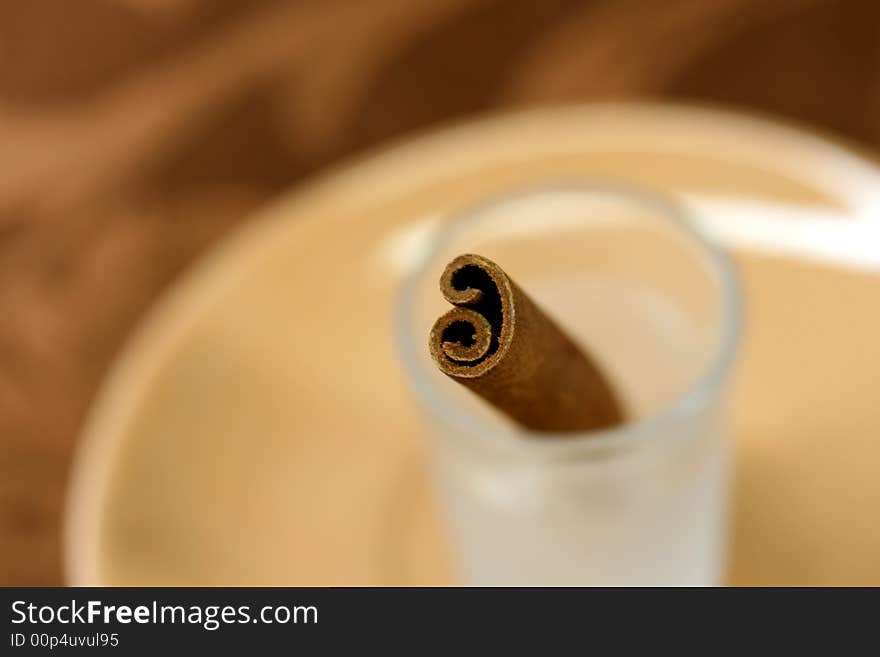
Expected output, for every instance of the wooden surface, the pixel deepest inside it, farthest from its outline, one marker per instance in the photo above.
(134, 134)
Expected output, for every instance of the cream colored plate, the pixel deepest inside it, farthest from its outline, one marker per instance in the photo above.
(257, 428)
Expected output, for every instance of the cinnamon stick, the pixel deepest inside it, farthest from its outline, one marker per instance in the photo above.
(498, 343)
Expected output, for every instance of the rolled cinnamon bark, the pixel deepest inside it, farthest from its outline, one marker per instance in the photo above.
(502, 346)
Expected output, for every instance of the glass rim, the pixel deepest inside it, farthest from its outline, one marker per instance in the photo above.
(698, 395)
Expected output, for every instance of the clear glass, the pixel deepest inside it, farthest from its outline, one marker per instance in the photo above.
(645, 503)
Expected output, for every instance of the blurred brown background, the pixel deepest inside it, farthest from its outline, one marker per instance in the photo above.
(135, 133)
